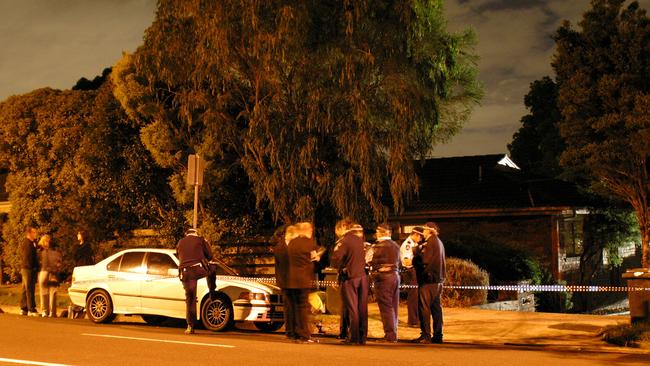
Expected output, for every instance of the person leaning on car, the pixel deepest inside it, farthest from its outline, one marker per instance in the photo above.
(193, 253)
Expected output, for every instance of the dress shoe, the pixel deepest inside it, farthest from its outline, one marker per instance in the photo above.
(189, 330)
(436, 340)
(421, 340)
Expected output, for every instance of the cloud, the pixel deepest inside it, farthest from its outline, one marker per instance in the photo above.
(54, 43)
(515, 47)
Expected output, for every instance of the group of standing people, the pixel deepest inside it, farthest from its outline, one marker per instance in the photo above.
(41, 262)
(421, 257)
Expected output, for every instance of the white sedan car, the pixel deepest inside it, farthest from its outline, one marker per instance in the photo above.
(145, 282)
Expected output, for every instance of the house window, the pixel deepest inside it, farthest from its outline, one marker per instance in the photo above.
(571, 235)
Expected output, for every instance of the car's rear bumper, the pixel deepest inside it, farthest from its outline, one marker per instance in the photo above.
(77, 296)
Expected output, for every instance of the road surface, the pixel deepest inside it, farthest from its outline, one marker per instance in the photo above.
(44, 341)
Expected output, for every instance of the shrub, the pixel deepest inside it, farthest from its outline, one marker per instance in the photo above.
(552, 301)
(627, 335)
(505, 264)
(464, 272)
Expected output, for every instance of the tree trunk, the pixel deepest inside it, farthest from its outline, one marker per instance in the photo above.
(645, 260)
(644, 227)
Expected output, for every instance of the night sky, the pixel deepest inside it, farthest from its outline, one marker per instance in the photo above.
(55, 42)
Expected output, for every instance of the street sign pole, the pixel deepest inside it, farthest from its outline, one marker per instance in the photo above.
(195, 178)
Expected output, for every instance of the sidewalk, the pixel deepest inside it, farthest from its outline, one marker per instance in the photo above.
(499, 328)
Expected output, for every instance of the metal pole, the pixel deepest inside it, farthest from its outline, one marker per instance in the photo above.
(196, 204)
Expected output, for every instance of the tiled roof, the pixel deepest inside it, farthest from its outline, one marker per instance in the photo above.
(486, 182)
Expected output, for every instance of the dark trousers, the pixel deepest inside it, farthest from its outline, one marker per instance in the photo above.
(408, 278)
(289, 314)
(297, 312)
(190, 302)
(387, 295)
(27, 301)
(190, 297)
(430, 307)
(355, 300)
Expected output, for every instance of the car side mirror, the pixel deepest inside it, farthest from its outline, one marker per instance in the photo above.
(173, 272)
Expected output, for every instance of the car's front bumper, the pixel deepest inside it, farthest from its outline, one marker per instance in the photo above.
(246, 311)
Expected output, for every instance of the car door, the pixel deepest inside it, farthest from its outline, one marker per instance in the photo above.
(162, 292)
(125, 282)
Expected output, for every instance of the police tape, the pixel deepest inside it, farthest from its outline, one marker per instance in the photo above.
(514, 288)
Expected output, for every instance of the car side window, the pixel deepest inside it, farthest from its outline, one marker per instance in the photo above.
(159, 263)
(132, 262)
(114, 265)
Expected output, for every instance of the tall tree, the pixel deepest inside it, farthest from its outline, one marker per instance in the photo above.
(537, 145)
(603, 71)
(318, 102)
(75, 161)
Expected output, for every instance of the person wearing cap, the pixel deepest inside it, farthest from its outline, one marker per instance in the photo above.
(194, 253)
(408, 274)
(349, 258)
(430, 268)
(384, 264)
(301, 254)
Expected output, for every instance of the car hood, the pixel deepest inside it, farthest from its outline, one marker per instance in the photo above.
(252, 284)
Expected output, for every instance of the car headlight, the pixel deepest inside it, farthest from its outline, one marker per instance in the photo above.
(254, 296)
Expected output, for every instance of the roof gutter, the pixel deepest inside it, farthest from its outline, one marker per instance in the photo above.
(491, 212)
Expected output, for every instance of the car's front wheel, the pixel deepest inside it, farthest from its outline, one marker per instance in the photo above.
(99, 307)
(217, 314)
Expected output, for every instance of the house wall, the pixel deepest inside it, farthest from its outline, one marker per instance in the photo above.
(530, 233)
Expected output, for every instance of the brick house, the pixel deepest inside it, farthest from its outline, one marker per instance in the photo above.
(489, 196)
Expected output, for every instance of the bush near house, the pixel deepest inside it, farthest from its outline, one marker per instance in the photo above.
(464, 272)
(504, 263)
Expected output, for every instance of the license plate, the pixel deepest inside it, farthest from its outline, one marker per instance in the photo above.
(279, 308)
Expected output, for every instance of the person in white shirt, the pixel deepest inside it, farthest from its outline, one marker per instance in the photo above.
(408, 274)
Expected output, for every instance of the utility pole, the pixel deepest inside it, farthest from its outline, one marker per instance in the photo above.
(195, 177)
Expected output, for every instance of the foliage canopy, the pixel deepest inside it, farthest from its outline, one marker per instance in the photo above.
(603, 71)
(317, 106)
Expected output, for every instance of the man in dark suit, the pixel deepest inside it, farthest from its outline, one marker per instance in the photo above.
(281, 254)
(385, 263)
(29, 272)
(193, 253)
(349, 258)
(301, 252)
(430, 267)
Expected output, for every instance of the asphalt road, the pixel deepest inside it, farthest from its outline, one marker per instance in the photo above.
(43, 341)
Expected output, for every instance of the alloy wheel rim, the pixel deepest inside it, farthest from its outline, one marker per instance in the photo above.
(216, 313)
(98, 306)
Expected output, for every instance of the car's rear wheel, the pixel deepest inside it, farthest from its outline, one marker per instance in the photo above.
(268, 327)
(153, 319)
(217, 314)
(99, 307)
